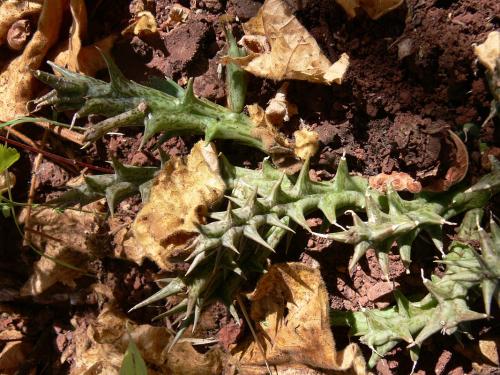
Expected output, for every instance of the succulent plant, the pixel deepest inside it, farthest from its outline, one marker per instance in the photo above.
(392, 219)
(238, 242)
(265, 204)
(446, 306)
(167, 108)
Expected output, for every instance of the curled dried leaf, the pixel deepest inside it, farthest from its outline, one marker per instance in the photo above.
(374, 8)
(290, 311)
(72, 54)
(457, 168)
(180, 197)
(279, 48)
(306, 143)
(70, 238)
(176, 16)
(100, 348)
(17, 85)
(489, 51)
(400, 181)
(144, 23)
(279, 109)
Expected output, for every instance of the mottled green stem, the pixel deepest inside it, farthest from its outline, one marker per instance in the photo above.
(173, 111)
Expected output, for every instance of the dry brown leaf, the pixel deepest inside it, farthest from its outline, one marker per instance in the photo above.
(70, 237)
(291, 313)
(489, 348)
(400, 181)
(279, 48)
(279, 109)
(181, 194)
(144, 23)
(374, 8)
(13, 356)
(17, 85)
(489, 51)
(15, 10)
(276, 145)
(306, 143)
(99, 349)
(458, 165)
(75, 57)
(177, 15)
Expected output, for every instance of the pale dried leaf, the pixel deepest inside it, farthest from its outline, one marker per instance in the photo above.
(70, 237)
(489, 51)
(489, 348)
(100, 348)
(144, 23)
(400, 181)
(15, 10)
(290, 311)
(281, 48)
(279, 109)
(374, 8)
(306, 143)
(179, 200)
(176, 16)
(17, 85)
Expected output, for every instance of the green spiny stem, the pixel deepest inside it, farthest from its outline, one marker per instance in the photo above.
(265, 204)
(237, 244)
(127, 103)
(446, 305)
(126, 181)
(392, 219)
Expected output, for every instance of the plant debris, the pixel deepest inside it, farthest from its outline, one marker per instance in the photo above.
(100, 348)
(399, 181)
(144, 24)
(248, 258)
(17, 84)
(488, 52)
(72, 54)
(180, 197)
(67, 238)
(279, 48)
(289, 308)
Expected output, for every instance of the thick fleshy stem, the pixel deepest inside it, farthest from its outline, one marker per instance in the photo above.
(447, 304)
(236, 245)
(169, 109)
(125, 182)
(266, 204)
(392, 219)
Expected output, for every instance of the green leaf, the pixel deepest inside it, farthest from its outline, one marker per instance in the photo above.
(133, 364)
(8, 156)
